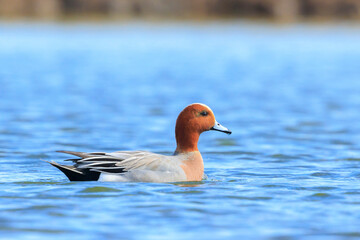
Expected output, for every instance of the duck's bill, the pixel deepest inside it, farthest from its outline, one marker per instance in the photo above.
(220, 128)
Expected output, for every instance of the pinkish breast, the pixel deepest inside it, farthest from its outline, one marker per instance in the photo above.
(193, 166)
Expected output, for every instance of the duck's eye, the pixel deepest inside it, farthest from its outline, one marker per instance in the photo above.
(204, 113)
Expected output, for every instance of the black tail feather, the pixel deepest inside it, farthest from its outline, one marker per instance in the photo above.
(74, 174)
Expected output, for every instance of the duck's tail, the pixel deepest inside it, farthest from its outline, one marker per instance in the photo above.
(74, 174)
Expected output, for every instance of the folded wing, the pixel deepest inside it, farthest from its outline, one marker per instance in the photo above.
(89, 166)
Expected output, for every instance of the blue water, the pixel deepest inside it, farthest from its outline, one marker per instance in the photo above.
(290, 94)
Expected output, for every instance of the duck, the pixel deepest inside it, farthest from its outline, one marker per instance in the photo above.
(185, 165)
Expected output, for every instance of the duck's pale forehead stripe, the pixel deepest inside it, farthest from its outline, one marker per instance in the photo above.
(199, 104)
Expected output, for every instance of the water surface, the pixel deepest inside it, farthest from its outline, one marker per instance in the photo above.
(290, 94)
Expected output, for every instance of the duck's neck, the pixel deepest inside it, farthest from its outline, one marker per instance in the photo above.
(186, 140)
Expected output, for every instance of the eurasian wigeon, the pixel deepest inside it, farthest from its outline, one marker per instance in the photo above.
(186, 164)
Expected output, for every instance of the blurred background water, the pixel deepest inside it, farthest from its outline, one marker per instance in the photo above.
(289, 93)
